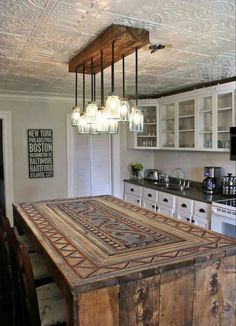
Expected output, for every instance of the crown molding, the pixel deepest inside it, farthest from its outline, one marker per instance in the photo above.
(26, 96)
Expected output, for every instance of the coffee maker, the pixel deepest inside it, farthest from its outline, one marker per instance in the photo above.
(211, 183)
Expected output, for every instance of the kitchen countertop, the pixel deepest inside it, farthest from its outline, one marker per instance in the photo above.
(195, 191)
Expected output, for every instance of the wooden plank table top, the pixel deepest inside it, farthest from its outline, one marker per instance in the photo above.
(99, 242)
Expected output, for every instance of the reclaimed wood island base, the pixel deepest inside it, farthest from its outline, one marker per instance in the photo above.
(122, 265)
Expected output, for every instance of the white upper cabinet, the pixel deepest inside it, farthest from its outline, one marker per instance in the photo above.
(197, 120)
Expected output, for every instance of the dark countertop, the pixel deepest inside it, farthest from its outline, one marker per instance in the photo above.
(195, 191)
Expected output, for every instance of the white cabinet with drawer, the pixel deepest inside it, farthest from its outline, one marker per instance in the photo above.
(150, 194)
(167, 199)
(133, 189)
(133, 199)
(202, 214)
(184, 209)
(166, 204)
(148, 204)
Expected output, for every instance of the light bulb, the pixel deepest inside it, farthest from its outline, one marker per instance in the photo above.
(83, 126)
(113, 106)
(91, 112)
(136, 120)
(124, 110)
(75, 116)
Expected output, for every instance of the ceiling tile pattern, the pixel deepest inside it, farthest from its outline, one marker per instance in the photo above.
(39, 37)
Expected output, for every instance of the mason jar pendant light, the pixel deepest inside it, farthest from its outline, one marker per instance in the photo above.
(83, 126)
(102, 121)
(113, 101)
(93, 125)
(136, 116)
(75, 115)
(124, 104)
(92, 108)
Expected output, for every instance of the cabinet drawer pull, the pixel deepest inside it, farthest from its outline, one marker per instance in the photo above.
(138, 200)
(165, 200)
(149, 195)
(131, 189)
(188, 219)
(193, 221)
(153, 206)
(202, 210)
(184, 205)
(157, 208)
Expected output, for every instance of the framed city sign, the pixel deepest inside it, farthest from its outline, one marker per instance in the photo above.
(40, 153)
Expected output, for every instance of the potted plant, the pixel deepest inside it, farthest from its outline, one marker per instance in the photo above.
(135, 169)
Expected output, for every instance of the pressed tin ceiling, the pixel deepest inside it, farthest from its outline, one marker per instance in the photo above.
(39, 37)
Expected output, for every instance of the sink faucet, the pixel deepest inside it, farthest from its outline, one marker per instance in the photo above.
(181, 171)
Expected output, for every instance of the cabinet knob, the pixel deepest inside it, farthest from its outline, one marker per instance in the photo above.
(138, 200)
(202, 210)
(149, 195)
(188, 219)
(131, 189)
(153, 206)
(157, 208)
(184, 205)
(165, 200)
(193, 221)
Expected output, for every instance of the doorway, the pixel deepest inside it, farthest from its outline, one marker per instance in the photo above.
(2, 188)
(6, 167)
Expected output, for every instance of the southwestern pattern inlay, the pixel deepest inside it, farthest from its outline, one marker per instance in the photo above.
(94, 236)
(110, 226)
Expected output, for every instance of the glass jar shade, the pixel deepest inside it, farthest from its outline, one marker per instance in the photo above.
(136, 120)
(75, 116)
(91, 112)
(102, 121)
(113, 106)
(124, 110)
(112, 126)
(83, 126)
(93, 129)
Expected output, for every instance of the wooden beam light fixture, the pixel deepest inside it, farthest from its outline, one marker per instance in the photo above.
(126, 39)
(112, 45)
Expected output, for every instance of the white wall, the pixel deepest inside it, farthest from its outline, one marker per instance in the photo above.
(122, 157)
(193, 162)
(37, 112)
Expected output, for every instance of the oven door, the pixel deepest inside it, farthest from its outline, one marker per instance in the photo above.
(223, 221)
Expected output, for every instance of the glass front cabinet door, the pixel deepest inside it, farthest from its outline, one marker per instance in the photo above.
(148, 138)
(186, 124)
(167, 113)
(205, 122)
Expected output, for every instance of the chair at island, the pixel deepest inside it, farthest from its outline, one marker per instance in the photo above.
(30, 306)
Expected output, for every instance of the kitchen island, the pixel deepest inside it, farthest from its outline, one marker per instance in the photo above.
(120, 264)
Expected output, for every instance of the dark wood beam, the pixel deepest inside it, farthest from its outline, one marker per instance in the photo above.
(126, 40)
(187, 89)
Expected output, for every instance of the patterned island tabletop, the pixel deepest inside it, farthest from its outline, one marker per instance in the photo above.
(98, 239)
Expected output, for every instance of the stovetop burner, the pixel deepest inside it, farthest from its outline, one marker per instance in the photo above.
(231, 202)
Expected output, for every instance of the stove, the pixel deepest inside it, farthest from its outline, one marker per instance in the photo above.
(226, 203)
(223, 217)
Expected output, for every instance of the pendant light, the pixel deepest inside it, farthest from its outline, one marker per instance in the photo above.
(83, 126)
(124, 106)
(75, 115)
(136, 116)
(102, 116)
(92, 108)
(113, 101)
(93, 126)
